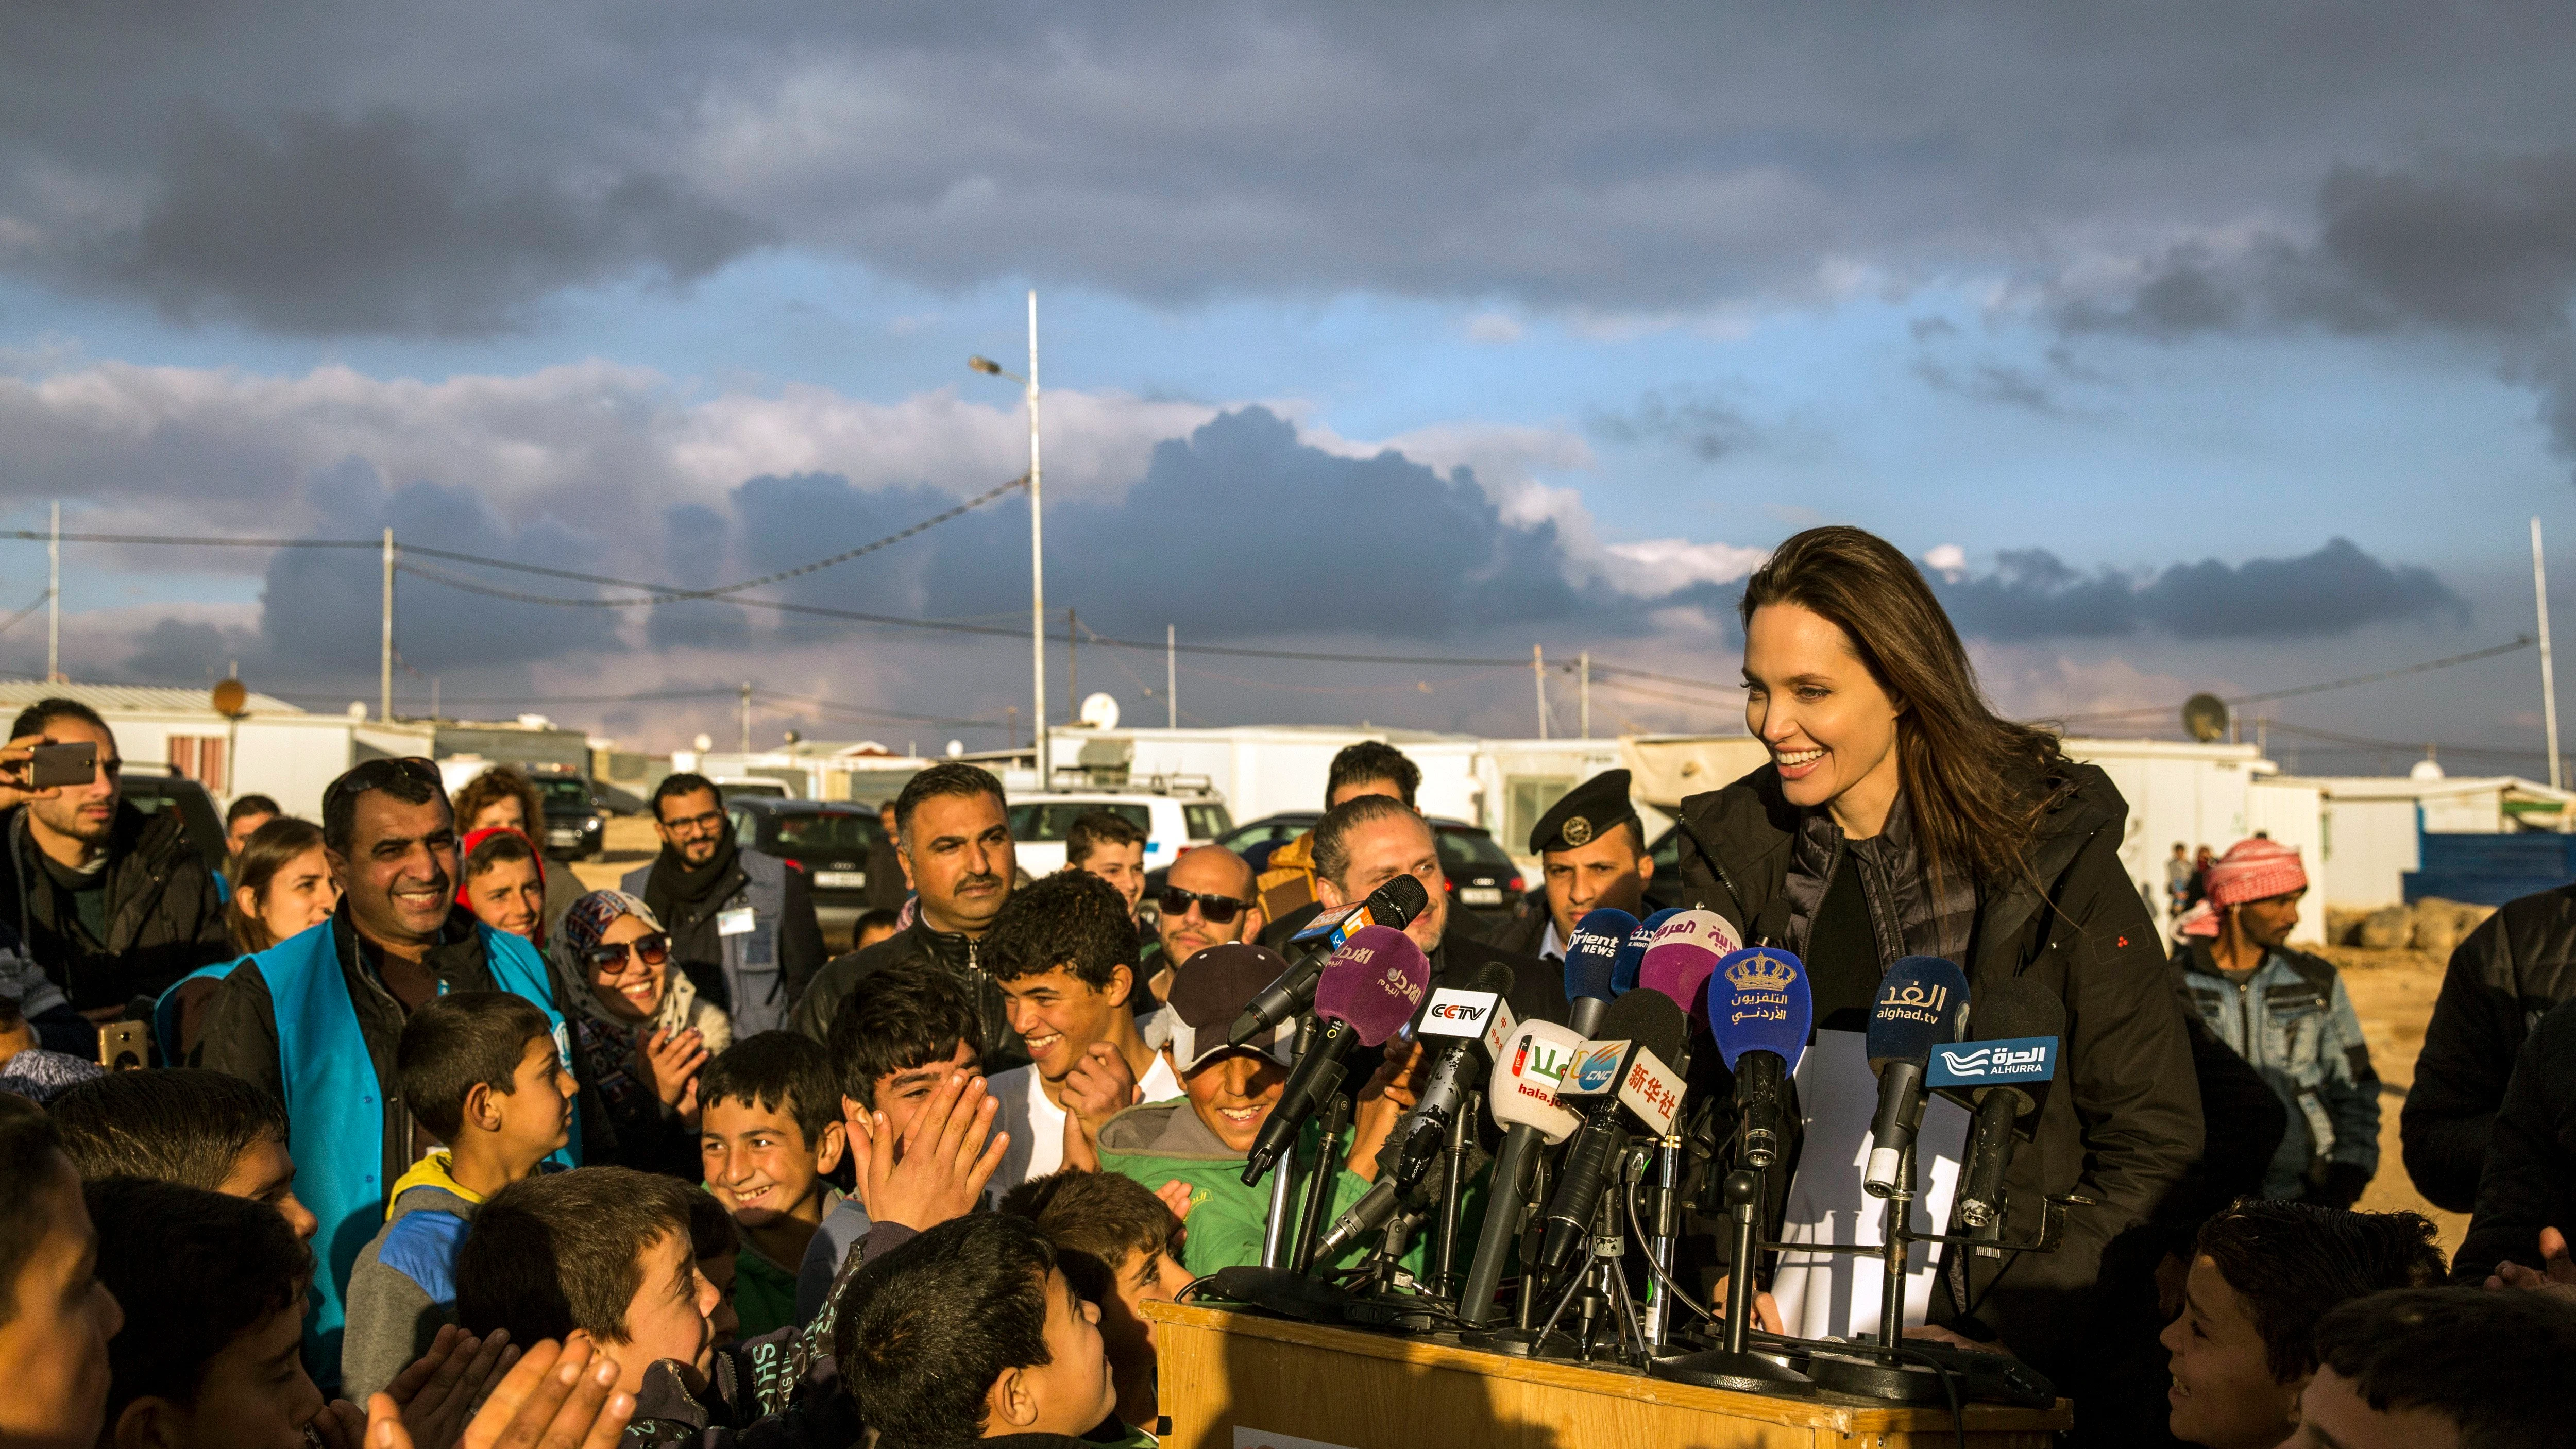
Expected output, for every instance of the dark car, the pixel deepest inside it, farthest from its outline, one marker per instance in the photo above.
(828, 840)
(576, 818)
(203, 823)
(1665, 890)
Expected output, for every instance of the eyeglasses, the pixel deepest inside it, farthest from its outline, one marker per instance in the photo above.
(608, 958)
(1218, 910)
(376, 774)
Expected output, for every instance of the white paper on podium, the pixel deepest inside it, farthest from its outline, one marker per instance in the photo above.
(1836, 1295)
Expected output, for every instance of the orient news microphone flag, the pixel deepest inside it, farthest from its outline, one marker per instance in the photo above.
(1591, 960)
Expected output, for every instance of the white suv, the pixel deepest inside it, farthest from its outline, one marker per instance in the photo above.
(1172, 823)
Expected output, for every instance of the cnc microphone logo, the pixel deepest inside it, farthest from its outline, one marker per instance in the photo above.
(1979, 1064)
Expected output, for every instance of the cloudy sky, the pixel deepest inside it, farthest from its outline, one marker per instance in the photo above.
(2190, 346)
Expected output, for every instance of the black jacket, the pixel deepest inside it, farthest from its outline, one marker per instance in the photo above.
(163, 920)
(240, 1031)
(1525, 933)
(2124, 1123)
(2530, 1177)
(840, 978)
(2510, 970)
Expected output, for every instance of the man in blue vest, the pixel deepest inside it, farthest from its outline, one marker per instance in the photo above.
(741, 923)
(315, 1019)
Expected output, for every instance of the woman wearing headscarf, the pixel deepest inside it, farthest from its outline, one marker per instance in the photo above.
(640, 1034)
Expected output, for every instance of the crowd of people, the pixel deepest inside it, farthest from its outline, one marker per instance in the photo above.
(436, 1147)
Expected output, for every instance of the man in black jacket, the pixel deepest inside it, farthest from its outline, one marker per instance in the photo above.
(2529, 1182)
(113, 904)
(1368, 840)
(1591, 849)
(2513, 968)
(955, 839)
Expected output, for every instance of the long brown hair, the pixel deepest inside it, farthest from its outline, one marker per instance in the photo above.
(1973, 780)
(269, 850)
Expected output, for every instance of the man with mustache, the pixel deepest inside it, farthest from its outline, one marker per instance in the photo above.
(954, 840)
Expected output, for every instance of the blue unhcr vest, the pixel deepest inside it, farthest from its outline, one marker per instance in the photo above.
(335, 1124)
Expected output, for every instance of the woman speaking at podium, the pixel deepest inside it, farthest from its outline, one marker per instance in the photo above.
(1900, 816)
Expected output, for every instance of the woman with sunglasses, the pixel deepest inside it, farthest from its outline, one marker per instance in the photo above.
(640, 1034)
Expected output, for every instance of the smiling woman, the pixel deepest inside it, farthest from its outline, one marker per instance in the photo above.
(1900, 816)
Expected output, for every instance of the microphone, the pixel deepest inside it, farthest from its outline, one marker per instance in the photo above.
(1687, 947)
(1632, 956)
(1592, 961)
(2003, 1073)
(1471, 1018)
(1522, 1095)
(1394, 904)
(1640, 1028)
(1922, 1004)
(1760, 1009)
(1367, 991)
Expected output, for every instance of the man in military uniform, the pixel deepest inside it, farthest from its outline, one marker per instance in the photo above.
(1592, 853)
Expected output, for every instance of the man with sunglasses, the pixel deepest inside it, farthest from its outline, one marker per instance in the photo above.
(315, 1019)
(110, 904)
(1206, 900)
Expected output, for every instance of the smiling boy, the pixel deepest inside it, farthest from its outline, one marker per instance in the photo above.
(771, 1129)
(1064, 953)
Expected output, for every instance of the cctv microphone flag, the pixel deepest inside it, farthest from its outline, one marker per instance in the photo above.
(1591, 959)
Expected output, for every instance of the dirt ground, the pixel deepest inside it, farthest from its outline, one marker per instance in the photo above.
(2393, 992)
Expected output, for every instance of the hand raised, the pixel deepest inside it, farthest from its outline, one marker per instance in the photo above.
(938, 1168)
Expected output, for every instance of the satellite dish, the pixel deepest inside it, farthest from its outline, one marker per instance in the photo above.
(1100, 711)
(231, 700)
(358, 709)
(2205, 716)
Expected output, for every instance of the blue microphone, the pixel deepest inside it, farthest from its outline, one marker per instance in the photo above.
(1761, 1010)
(1632, 957)
(1922, 1004)
(1592, 963)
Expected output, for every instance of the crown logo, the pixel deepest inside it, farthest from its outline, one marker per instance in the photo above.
(1759, 971)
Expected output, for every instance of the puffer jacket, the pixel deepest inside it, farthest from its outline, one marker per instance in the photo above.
(844, 976)
(2294, 1022)
(164, 918)
(2530, 1178)
(2513, 968)
(2123, 1125)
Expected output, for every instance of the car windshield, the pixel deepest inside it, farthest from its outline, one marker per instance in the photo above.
(1207, 822)
(1050, 820)
(1260, 831)
(1471, 849)
(562, 794)
(851, 834)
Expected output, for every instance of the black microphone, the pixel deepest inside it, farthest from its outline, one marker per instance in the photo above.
(1367, 991)
(1409, 1150)
(1638, 1025)
(1922, 1004)
(1394, 904)
(2003, 1073)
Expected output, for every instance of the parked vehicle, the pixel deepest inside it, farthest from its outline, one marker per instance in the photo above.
(754, 785)
(828, 840)
(1172, 823)
(1482, 878)
(576, 818)
(204, 824)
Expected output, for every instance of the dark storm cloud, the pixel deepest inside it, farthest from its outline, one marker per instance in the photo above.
(1600, 157)
(2032, 594)
(695, 556)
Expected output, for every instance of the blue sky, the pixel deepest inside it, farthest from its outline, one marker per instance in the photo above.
(2067, 294)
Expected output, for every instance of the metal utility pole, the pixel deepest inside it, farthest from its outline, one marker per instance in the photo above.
(2548, 680)
(1037, 548)
(1538, 680)
(1172, 674)
(54, 599)
(1583, 673)
(1072, 666)
(746, 716)
(385, 651)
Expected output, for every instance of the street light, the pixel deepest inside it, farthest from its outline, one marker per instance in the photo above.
(1037, 551)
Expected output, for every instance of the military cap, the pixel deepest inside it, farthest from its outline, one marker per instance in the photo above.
(1589, 811)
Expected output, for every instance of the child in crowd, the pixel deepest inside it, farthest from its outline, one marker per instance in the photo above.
(1202, 1141)
(480, 1071)
(1121, 1246)
(1110, 846)
(504, 883)
(2262, 1274)
(213, 1290)
(56, 1315)
(1064, 953)
(770, 1129)
(2465, 1367)
(873, 925)
(202, 1129)
(891, 1046)
(715, 1243)
(972, 1332)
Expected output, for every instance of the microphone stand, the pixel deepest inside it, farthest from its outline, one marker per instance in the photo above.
(1274, 1228)
(1454, 1171)
(1319, 1184)
(1733, 1365)
(1660, 1242)
(1603, 1282)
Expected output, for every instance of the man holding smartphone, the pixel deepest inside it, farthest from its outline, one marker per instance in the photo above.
(113, 905)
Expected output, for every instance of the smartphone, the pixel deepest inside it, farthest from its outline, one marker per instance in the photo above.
(121, 1046)
(72, 764)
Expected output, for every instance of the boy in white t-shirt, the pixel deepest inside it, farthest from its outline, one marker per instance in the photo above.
(1064, 952)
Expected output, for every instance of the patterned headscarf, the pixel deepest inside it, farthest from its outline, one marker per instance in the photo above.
(584, 922)
(2255, 870)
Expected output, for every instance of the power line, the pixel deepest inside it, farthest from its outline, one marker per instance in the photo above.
(2520, 641)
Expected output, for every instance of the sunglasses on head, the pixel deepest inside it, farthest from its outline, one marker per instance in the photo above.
(376, 774)
(608, 956)
(1217, 910)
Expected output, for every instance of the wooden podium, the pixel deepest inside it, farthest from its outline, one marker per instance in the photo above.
(1242, 1381)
